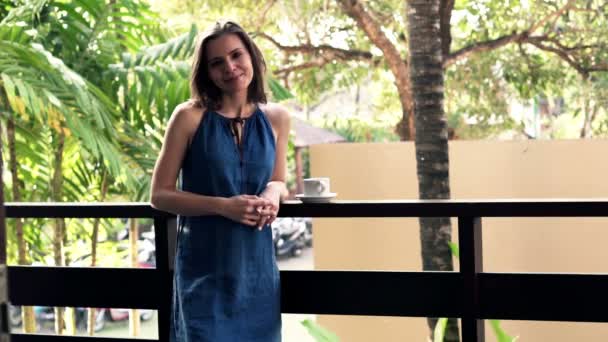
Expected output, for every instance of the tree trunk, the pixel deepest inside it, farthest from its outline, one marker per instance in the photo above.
(4, 328)
(70, 321)
(588, 117)
(27, 312)
(299, 170)
(21, 248)
(56, 186)
(431, 141)
(357, 99)
(94, 237)
(134, 327)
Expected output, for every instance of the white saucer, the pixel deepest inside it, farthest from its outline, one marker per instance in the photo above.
(316, 199)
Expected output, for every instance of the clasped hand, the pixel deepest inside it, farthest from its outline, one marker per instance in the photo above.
(255, 211)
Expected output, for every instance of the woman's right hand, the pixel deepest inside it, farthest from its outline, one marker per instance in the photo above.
(244, 209)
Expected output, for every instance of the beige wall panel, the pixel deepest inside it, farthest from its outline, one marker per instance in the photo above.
(478, 170)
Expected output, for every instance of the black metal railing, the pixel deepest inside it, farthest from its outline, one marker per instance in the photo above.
(470, 294)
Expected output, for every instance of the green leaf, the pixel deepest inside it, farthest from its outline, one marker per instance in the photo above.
(319, 333)
(454, 249)
(9, 88)
(500, 334)
(30, 99)
(29, 12)
(279, 93)
(14, 33)
(180, 47)
(439, 332)
(93, 7)
(72, 12)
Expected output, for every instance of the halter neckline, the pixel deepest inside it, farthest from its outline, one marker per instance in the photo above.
(238, 119)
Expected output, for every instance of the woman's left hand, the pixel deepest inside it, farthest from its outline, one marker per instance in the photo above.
(269, 213)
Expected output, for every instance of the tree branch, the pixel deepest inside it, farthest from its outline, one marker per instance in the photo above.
(327, 51)
(504, 40)
(598, 67)
(560, 53)
(262, 18)
(553, 15)
(482, 47)
(374, 32)
(318, 62)
(445, 12)
(571, 48)
(398, 65)
(566, 53)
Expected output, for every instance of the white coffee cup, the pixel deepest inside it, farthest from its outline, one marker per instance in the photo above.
(316, 186)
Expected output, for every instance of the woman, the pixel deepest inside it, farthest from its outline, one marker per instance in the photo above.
(231, 149)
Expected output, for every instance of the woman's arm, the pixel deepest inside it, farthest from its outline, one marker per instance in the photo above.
(276, 189)
(164, 194)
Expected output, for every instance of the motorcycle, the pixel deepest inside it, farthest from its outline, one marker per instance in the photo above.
(146, 259)
(46, 315)
(308, 234)
(289, 236)
(116, 315)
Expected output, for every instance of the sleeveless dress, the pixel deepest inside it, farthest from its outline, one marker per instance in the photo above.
(226, 284)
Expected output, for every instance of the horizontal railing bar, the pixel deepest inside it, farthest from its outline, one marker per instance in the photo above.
(450, 208)
(16, 337)
(83, 287)
(544, 297)
(400, 208)
(376, 293)
(329, 292)
(518, 296)
(82, 210)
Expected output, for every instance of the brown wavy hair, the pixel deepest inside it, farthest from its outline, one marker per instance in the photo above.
(202, 88)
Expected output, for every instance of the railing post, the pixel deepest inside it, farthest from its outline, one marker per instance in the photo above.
(471, 264)
(161, 229)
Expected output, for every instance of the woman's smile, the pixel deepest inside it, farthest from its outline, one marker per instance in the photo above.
(235, 78)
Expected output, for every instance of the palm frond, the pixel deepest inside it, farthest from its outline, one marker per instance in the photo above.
(178, 48)
(152, 90)
(14, 32)
(27, 13)
(43, 83)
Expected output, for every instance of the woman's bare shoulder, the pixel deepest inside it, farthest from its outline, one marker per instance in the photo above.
(188, 114)
(189, 108)
(277, 113)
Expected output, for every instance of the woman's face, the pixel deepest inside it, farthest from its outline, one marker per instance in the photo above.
(229, 64)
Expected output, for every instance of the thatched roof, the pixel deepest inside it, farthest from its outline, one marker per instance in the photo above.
(307, 134)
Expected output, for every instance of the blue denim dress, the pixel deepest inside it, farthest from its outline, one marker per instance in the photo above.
(226, 284)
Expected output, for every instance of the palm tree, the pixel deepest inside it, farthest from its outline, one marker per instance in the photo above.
(39, 87)
(5, 331)
(426, 74)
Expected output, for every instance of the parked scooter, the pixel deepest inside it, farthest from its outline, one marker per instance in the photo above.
(46, 315)
(146, 259)
(308, 234)
(289, 236)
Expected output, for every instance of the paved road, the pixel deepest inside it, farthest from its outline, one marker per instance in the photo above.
(302, 262)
